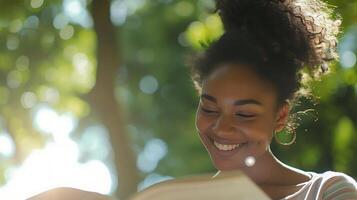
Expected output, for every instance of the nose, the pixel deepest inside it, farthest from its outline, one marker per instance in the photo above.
(223, 126)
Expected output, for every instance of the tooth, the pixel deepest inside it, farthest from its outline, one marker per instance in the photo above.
(225, 147)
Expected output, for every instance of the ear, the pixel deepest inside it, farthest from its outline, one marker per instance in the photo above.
(282, 117)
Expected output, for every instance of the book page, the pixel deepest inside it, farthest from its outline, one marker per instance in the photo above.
(229, 185)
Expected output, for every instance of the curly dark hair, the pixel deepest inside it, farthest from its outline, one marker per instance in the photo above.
(276, 38)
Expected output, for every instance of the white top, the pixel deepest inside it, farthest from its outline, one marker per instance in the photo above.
(327, 186)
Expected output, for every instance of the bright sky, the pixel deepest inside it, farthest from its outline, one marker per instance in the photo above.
(57, 164)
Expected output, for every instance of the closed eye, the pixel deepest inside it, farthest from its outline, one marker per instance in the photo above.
(208, 110)
(245, 115)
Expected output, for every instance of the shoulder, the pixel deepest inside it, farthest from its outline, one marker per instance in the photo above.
(336, 185)
(69, 194)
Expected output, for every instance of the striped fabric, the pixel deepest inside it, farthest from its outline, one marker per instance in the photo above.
(339, 187)
(327, 186)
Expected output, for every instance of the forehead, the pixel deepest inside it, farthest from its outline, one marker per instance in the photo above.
(236, 81)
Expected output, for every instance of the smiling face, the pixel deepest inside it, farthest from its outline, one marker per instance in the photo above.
(237, 116)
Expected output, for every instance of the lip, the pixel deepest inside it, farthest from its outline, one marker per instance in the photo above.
(224, 153)
(225, 141)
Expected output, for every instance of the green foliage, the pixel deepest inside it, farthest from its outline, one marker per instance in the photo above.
(342, 144)
(38, 66)
(159, 47)
(201, 34)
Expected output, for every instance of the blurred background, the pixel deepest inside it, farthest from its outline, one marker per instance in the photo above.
(96, 94)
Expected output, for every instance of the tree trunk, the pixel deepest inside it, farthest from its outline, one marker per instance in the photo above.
(104, 103)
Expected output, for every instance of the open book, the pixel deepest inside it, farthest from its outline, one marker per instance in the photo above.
(227, 185)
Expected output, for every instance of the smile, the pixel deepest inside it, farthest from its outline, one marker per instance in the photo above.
(225, 147)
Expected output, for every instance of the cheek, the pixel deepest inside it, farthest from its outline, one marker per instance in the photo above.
(259, 131)
(202, 126)
(201, 122)
(260, 136)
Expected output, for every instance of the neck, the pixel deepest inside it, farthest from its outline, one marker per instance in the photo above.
(268, 170)
(264, 169)
(275, 178)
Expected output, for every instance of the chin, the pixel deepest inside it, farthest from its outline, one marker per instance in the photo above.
(226, 165)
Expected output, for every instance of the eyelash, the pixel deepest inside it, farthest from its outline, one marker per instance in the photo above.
(208, 111)
(244, 115)
(237, 114)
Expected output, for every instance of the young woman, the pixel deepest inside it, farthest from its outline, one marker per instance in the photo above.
(248, 80)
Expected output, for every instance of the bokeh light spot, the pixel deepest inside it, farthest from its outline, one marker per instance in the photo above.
(28, 99)
(7, 146)
(60, 21)
(67, 32)
(14, 79)
(348, 59)
(59, 126)
(12, 42)
(95, 142)
(32, 22)
(73, 7)
(22, 63)
(154, 151)
(81, 63)
(45, 120)
(77, 13)
(118, 12)
(36, 3)
(148, 84)
(49, 94)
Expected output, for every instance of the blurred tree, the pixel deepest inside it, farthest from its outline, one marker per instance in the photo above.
(104, 102)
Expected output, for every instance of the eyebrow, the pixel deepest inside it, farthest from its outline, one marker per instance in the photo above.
(236, 103)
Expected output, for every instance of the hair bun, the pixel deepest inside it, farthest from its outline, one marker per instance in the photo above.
(300, 31)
